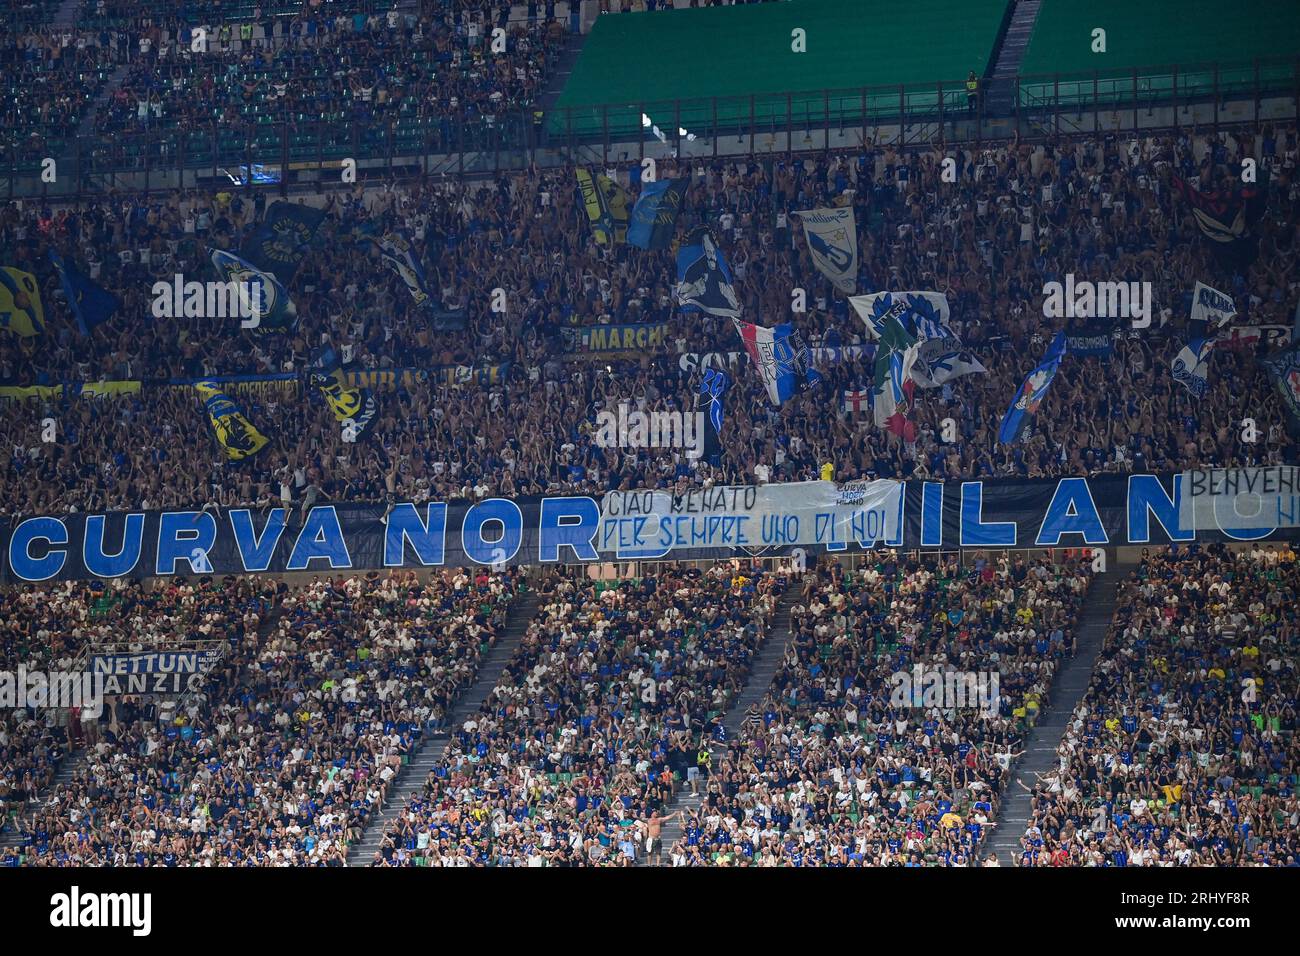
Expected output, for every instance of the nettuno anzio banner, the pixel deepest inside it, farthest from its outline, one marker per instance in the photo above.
(635, 525)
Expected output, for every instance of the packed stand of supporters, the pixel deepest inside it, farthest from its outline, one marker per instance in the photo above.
(40, 630)
(131, 14)
(593, 724)
(1183, 751)
(51, 77)
(53, 629)
(434, 72)
(1017, 217)
(430, 69)
(844, 763)
(290, 744)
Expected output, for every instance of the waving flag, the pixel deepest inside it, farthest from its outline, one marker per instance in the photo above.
(281, 242)
(891, 394)
(713, 388)
(832, 238)
(395, 249)
(607, 204)
(654, 217)
(939, 361)
(704, 278)
(1032, 392)
(267, 300)
(348, 403)
(235, 434)
(1227, 220)
(1191, 365)
(781, 357)
(1210, 308)
(1283, 369)
(20, 303)
(923, 315)
(90, 302)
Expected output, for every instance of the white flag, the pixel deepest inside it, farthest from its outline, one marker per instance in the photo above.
(1212, 307)
(922, 314)
(832, 238)
(941, 360)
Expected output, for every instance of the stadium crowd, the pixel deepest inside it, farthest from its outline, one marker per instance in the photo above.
(336, 70)
(1184, 752)
(1025, 212)
(840, 768)
(598, 712)
(39, 634)
(292, 742)
(431, 72)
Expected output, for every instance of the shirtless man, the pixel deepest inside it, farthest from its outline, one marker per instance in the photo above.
(653, 829)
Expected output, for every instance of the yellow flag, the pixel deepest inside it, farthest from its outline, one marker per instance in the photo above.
(20, 303)
(234, 432)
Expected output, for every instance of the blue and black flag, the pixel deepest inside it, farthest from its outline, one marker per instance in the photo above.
(90, 302)
(713, 389)
(704, 278)
(1032, 392)
(396, 249)
(281, 242)
(259, 295)
(1283, 369)
(654, 217)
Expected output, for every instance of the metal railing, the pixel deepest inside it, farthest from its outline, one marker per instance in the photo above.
(417, 142)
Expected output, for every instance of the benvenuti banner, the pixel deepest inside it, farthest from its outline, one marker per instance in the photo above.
(702, 523)
(1230, 499)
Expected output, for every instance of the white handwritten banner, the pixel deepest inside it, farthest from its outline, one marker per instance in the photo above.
(1240, 499)
(651, 524)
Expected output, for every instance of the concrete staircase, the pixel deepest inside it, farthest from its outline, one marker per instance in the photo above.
(765, 663)
(999, 98)
(1067, 690)
(411, 778)
(86, 128)
(762, 669)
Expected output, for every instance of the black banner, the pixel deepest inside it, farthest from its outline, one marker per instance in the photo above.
(1069, 512)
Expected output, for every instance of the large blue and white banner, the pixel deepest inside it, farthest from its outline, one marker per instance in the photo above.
(1105, 510)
